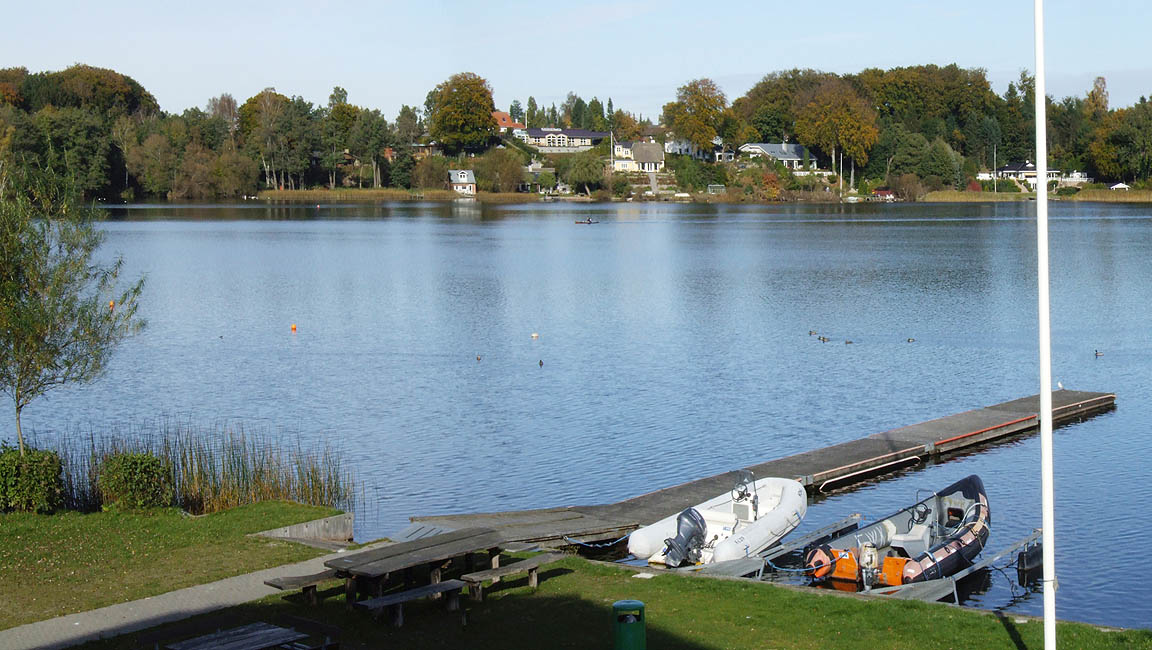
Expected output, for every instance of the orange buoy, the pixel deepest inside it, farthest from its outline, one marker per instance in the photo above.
(293, 327)
(111, 304)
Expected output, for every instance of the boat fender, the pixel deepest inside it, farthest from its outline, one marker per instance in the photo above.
(820, 559)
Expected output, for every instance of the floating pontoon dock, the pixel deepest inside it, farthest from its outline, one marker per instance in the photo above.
(820, 470)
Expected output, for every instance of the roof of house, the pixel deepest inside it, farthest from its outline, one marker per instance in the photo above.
(571, 133)
(644, 152)
(454, 176)
(505, 121)
(780, 151)
(627, 144)
(1018, 167)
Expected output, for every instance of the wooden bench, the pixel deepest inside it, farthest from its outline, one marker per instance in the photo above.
(531, 565)
(256, 636)
(307, 584)
(395, 602)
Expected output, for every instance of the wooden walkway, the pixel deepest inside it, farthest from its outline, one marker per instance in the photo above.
(819, 470)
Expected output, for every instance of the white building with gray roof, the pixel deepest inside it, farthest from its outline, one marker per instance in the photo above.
(790, 154)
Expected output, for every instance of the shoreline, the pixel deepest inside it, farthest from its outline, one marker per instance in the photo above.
(447, 196)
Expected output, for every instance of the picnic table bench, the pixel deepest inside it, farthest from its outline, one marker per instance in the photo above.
(366, 571)
(256, 636)
(307, 584)
(395, 602)
(531, 565)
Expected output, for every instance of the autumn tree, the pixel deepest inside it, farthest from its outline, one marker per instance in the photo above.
(626, 126)
(460, 112)
(225, 108)
(697, 113)
(834, 116)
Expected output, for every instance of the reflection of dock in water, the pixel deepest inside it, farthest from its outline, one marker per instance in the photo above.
(822, 469)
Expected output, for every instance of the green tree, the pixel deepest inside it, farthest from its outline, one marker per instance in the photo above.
(337, 124)
(532, 115)
(499, 170)
(153, 163)
(400, 173)
(57, 324)
(516, 111)
(408, 126)
(586, 169)
(461, 112)
(368, 139)
(595, 113)
(431, 173)
(697, 113)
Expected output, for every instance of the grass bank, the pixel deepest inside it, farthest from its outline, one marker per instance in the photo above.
(572, 609)
(956, 196)
(391, 194)
(71, 562)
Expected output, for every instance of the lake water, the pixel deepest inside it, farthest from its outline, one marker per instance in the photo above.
(675, 345)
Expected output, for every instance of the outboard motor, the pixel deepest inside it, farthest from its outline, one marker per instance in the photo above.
(690, 531)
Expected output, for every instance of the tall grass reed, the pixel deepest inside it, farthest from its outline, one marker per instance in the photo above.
(213, 467)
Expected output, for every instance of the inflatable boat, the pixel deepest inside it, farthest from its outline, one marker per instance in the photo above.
(740, 523)
(934, 538)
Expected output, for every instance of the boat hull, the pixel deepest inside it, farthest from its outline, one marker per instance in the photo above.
(931, 539)
(784, 504)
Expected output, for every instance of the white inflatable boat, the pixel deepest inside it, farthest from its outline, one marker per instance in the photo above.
(741, 523)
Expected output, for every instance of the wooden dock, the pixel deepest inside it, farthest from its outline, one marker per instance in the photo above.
(820, 470)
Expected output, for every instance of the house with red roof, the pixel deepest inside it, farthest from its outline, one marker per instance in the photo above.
(504, 121)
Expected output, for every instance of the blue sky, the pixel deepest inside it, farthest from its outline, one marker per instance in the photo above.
(391, 53)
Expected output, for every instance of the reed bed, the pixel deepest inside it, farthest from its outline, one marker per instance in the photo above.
(212, 468)
(1114, 196)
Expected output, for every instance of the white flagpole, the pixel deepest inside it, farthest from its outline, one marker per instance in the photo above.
(1045, 339)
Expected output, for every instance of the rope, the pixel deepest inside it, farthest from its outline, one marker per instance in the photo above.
(576, 541)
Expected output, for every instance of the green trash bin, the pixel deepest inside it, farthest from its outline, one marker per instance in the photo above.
(628, 625)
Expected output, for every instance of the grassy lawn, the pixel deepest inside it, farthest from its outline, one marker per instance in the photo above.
(572, 609)
(69, 562)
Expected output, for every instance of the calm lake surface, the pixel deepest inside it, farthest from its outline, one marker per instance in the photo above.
(675, 346)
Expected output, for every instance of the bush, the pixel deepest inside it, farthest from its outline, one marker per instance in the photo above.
(135, 480)
(30, 483)
(1067, 191)
(621, 186)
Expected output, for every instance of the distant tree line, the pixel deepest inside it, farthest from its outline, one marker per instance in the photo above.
(938, 124)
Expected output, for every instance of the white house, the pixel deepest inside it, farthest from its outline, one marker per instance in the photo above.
(637, 157)
(553, 140)
(462, 181)
(789, 154)
(1025, 172)
(685, 148)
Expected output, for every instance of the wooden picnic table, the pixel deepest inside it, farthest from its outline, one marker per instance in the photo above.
(371, 568)
(256, 636)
